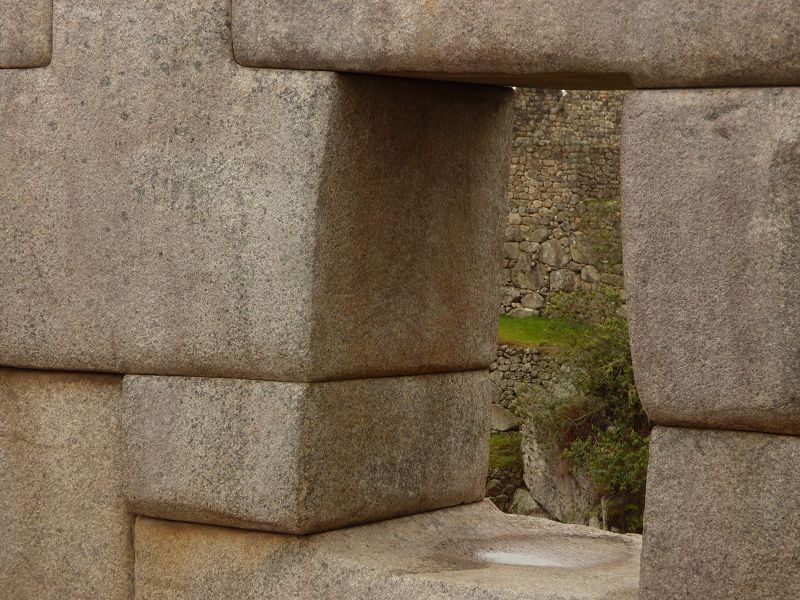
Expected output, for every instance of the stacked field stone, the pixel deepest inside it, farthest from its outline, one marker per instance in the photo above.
(565, 154)
(515, 370)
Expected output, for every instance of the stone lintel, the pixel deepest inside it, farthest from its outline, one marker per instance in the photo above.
(609, 44)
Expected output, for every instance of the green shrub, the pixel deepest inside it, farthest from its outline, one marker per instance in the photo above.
(505, 451)
(601, 427)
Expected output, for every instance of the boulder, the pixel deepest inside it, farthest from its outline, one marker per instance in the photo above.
(503, 419)
(581, 249)
(562, 280)
(565, 496)
(523, 503)
(533, 301)
(552, 253)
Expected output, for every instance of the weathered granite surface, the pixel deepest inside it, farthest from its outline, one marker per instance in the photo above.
(712, 255)
(300, 458)
(25, 33)
(65, 531)
(722, 516)
(538, 43)
(464, 553)
(167, 211)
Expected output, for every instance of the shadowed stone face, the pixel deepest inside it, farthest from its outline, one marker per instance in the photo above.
(608, 44)
(722, 516)
(25, 33)
(65, 530)
(300, 458)
(167, 211)
(711, 215)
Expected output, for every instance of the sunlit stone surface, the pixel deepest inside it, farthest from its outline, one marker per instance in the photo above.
(460, 554)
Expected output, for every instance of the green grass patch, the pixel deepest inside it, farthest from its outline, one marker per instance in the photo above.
(505, 450)
(538, 331)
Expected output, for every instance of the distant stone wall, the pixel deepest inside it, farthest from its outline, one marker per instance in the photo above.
(514, 369)
(565, 163)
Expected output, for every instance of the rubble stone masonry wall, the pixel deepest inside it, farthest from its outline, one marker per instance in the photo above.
(562, 199)
(562, 192)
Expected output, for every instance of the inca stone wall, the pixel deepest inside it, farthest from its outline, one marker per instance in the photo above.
(514, 369)
(562, 211)
(564, 171)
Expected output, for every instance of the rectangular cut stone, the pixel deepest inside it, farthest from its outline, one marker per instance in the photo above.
(711, 214)
(166, 211)
(299, 458)
(537, 43)
(26, 28)
(460, 553)
(722, 516)
(65, 531)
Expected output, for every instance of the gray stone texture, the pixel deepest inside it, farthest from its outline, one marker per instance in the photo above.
(454, 554)
(167, 211)
(65, 531)
(564, 175)
(25, 33)
(712, 256)
(608, 44)
(567, 496)
(722, 516)
(503, 420)
(516, 371)
(300, 458)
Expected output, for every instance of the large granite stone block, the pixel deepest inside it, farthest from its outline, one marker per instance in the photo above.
(538, 43)
(25, 33)
(299, 458)
(65, 531)
(167, 211)
(722, 516)
(711, 215)
(461, 553)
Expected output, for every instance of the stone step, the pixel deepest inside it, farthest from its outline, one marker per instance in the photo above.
(461, 553)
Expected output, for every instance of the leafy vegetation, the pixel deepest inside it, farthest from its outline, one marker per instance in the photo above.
(505, 450)
(584, 306)
(601, 428)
